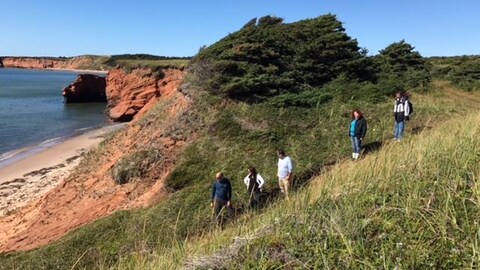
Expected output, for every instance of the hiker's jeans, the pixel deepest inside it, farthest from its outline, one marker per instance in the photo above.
(356, 144)
(399, 127)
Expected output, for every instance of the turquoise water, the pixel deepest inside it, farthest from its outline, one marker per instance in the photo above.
(32, 112)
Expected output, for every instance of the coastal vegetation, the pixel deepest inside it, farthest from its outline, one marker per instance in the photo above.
(463, 71)
(273, 85)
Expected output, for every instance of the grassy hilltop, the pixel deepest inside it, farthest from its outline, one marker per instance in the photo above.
(273, 85)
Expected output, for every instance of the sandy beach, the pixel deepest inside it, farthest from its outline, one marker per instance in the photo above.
(33, 176)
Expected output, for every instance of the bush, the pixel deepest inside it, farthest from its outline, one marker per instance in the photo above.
(136, 165)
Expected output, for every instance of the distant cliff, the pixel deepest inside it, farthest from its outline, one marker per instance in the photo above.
(80, 62)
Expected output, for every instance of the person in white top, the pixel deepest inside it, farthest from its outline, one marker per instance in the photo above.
(285, 168)
(254, 182)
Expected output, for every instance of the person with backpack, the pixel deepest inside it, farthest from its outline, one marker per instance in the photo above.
(221, 195)
(254, 182)
(357, 131)
(401, 113)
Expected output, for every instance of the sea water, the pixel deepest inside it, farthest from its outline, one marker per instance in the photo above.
(33, 115)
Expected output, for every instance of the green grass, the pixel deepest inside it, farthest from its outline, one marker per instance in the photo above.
(231, 135)
(154, 64)
(411, 205)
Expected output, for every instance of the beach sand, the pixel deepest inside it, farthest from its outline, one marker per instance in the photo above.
(33, 176)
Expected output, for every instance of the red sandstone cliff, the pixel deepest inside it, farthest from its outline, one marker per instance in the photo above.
(129, 95)
(80, 62)
(86, 88)
(90, 193)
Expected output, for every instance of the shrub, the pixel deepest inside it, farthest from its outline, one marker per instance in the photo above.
(135, 166)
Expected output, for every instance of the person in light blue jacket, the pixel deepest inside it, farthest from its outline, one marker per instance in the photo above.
(284, 173)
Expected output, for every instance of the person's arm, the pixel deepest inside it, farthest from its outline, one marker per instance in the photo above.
(246, 180)
(213, 194)
(290, 168)
(260, 180)
(364, 129)
(229, 193)
(406, 108)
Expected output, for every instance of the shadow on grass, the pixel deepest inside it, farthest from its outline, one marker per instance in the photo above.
(372, 147)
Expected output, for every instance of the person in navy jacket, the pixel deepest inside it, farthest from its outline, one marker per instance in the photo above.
(221, 195)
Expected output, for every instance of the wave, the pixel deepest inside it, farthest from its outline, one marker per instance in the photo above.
(13, 156)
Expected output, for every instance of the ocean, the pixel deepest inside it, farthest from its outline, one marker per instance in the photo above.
(32, 113)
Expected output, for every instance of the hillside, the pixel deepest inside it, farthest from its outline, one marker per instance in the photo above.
(410, 205)
(269, 85)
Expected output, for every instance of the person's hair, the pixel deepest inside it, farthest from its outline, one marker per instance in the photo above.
(281, 152)
(219, 174)
(252, 170)
(352, 115)
(406, 95)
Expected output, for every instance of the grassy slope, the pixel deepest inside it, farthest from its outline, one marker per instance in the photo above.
(230, 140)
(409, 205)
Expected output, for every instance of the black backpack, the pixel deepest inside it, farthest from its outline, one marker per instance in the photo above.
(410, 105)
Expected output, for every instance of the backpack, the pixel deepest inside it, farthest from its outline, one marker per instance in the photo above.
(410, 105)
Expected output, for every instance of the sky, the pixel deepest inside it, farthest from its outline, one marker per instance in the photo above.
(180, 28)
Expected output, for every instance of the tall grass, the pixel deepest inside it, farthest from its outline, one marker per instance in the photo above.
(389, 210)
(231, 136)
(412, 205)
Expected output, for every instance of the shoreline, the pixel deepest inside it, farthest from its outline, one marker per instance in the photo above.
(29, 178)
(37, 157)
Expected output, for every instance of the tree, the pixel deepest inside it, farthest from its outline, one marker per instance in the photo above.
(402, 68)
(273, 58)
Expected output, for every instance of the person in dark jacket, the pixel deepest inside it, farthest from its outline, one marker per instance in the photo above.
(401, 113)
(357, 131)
(221, 195)
(254, 182)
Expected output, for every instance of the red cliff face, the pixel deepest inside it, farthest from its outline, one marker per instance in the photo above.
(39, 63)
(86, 88)
(81, 62)
(130, 95)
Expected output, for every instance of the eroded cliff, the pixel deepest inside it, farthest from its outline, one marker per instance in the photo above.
(91, 192)
(86, 88)
(131, 94)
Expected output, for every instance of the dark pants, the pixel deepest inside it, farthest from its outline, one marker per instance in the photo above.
(255, 199)
(219, 205)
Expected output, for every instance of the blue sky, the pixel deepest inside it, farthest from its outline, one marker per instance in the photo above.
(180, 28)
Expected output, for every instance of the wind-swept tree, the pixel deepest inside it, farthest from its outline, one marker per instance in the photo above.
(272, 58)
(402, 68)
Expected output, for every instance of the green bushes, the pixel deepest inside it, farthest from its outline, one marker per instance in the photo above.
(462, 71)
(134, 166)
(272, 58)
